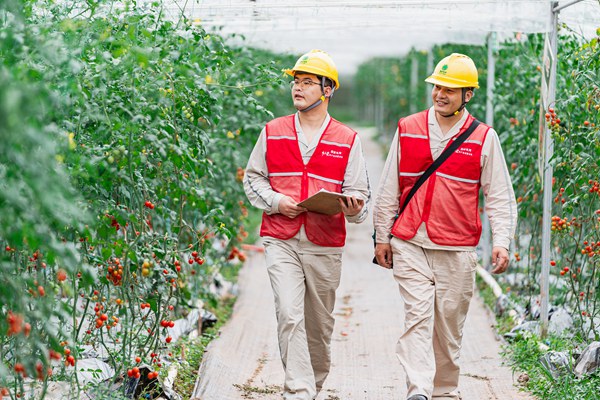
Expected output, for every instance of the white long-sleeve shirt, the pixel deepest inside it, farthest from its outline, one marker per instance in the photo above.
(500, 203)
(261, 195)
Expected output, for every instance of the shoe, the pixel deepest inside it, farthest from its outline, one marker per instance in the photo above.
(417, 397)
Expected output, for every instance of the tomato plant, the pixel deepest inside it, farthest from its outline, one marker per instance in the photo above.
(573, 120)
(124, 135)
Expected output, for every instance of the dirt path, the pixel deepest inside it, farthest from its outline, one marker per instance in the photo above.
(244, 362)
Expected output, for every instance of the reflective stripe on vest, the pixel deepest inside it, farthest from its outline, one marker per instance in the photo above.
(448, 202)
(288, 175)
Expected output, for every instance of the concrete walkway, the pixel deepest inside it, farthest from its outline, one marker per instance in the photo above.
(244, 363)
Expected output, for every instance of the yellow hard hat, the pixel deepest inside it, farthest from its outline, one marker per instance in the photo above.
(455, 71)
(316, 62)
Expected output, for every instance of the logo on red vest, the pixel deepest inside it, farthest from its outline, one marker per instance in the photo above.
(332, 153)
(466, 151)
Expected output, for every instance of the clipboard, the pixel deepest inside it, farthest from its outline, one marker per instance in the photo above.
(324, 202)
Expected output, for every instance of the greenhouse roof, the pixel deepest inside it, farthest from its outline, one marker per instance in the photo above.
(353, 31)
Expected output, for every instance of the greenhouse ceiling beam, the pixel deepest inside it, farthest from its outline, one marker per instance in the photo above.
(342, 26)
(367, 4)
(234, 25)
(558, 8)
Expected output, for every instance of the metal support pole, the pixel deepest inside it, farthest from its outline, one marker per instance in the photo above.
(547, 195)
(491, 75)
(379, 104)
(428, 99)
(414, 76)
(486, 242)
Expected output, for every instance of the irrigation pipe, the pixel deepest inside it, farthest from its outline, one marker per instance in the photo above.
(489, 279)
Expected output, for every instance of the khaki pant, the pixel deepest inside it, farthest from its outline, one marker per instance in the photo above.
(304, 288)
(436, 286)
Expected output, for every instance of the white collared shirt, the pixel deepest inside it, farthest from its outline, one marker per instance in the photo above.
(500, 203)
(261, 195)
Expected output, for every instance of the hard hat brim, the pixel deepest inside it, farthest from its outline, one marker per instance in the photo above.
(451, 83)
(311, 70)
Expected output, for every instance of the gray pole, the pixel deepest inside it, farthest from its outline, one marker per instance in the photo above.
(428, 100)
(491, 75)
(486, 256)
(547, 195)
(414, 76)
(382, 105)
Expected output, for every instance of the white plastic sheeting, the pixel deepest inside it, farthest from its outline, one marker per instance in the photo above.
(355, 30)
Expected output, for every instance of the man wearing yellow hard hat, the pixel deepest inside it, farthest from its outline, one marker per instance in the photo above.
(295, 157)
(427, 224)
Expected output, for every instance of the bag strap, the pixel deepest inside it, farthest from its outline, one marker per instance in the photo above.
(438, 161)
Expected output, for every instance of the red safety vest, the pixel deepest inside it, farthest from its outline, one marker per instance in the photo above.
(448, 201)
(289, 175)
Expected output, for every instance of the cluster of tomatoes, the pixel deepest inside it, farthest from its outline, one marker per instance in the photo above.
(69, 359)
(114, 272)
(235, 252)
(242, 234)
(591, 248)
(565, 270)
(136, 373)
(195, 258)
(594, 187)
(239, 175)
(20, 369)
(113, 222)
(40, 372)
(552, 119)
(559, 196)
(102, 318)
(17, 325)
(54, 355)
(167, 324)
(146, 267)
(559, 224)
(155, 359)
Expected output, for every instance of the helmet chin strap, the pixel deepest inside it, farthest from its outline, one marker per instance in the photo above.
(321, 99)
(313, 105)
(462, 106)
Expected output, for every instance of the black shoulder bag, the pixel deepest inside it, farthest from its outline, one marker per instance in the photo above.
(438, 161)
